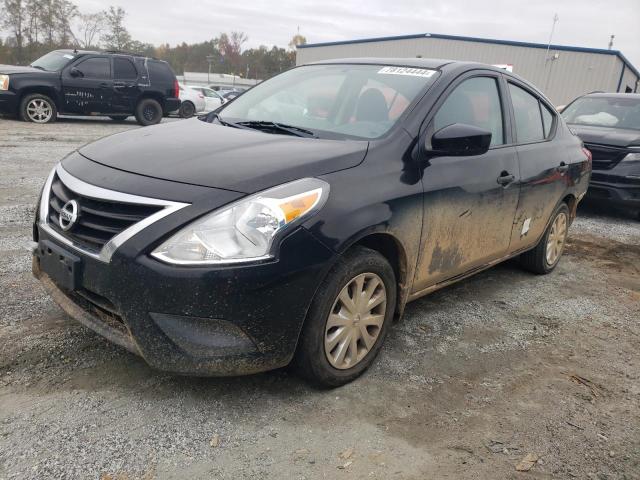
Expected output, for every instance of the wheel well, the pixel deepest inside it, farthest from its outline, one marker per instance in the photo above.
(572, 203)
(48, 91)
(391, 249)
(159, 98)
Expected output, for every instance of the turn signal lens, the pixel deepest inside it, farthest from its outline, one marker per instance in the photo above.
(4, 82)
(247, 230)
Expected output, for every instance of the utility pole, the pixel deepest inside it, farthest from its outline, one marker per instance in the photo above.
(210, 59)
(547, 58)
(611, 42)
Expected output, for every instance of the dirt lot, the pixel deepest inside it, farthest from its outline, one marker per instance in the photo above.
(474, 379)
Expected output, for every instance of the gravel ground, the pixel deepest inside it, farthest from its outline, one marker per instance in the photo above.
(475, 378)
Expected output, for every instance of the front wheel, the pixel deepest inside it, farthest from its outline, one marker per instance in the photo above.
(38, 108)
(148, 112)
(348, 319)
(546, 255)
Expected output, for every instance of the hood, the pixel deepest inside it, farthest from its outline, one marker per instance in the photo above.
(13, 69)
(212, 155)
(616, 137)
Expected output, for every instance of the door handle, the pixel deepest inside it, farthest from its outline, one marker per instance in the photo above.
(563, 167)
(104, 85)
(506, 178)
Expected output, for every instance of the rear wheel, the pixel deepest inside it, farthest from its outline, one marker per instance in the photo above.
(546, 255)
(187, 110)
(38, 108)
(148, 112)
(348, 319)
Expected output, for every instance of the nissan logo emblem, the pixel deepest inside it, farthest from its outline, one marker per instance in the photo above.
(68, 215)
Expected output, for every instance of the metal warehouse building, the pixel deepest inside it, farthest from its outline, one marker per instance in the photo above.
(561, 72)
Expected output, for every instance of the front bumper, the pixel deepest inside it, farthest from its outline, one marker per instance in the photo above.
(619, 185)
(198, 321)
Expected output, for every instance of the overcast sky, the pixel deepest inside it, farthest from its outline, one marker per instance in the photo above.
(586, 23)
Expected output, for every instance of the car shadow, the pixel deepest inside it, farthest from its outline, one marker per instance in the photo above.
(592, 207)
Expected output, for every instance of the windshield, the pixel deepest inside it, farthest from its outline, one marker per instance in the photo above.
(362, 101)
(53, 61)
(612, 112)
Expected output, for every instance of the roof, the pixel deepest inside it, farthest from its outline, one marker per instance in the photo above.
(429, 63)
(613, 95)
(459, 38)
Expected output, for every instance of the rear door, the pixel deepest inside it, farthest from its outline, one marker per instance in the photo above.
(469, 202)
(125, 85)
(543, 164)
(91, 90)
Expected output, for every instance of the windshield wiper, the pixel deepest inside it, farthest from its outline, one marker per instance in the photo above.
(38, 67)
(290, 129)
(214, 115)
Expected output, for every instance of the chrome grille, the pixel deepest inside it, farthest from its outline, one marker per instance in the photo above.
(98, 220)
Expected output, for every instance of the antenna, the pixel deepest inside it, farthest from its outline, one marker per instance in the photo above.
(611, 41)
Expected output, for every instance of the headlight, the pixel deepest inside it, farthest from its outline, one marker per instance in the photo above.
(246, 230)
(632, 157)
(4, 82)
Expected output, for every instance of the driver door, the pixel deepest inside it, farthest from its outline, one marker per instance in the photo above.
(469, 201)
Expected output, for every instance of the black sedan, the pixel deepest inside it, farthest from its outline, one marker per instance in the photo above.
(296, 222)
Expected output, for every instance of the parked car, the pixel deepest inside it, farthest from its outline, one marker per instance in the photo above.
(211, 98)
(609, 125)
(272, 231)
(73, 82)
(191, 102)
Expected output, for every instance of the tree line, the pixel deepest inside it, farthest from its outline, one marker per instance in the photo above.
(35, 27)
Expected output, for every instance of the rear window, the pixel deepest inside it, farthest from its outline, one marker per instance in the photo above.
(160, 71)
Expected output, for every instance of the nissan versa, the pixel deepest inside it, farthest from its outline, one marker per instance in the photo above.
(297, 221)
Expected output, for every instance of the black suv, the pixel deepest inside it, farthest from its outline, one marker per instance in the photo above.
(609, 125)
(73, 82)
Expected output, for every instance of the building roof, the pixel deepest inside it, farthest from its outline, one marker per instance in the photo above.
(512, 43)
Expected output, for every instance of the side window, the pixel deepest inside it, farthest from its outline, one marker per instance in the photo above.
(97, 67)
(528, 119)
(547, 120)
(474, 102)
(123, 69)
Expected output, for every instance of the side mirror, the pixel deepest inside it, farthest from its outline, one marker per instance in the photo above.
(460, 140)
(74, 72)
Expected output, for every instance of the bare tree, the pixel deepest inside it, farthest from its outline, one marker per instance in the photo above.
(230, 47)
(116, 36)
(90, 27)
(65, 11)
(14, 20)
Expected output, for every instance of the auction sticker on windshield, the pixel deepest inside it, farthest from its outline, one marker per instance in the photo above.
(414, 72)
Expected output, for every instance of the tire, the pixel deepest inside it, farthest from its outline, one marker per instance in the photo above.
(148, 112)
(38, 108)
(317, 358)
(187, 110)
(118, 118)
(539, 260)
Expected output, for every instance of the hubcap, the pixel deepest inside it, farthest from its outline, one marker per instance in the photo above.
(557, 237)
(355, 321)
(149, 113)
(39, 110)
